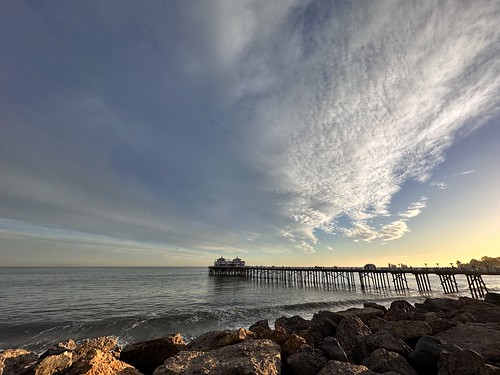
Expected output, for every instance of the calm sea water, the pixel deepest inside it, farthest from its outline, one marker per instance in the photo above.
(40, 306)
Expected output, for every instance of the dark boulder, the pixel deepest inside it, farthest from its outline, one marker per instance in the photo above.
(333, 350)
(462, 362)
(375, 305)
(292, 324)
(483, 338)
(400, 310)
(260, 328)
(146, 356)
(307, 361)
(425, 356)
(382, 360)
(493, 298)
(385, 340)
(344, 368)
(352, 335)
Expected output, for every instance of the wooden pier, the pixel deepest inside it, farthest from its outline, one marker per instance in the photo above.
(380, 278)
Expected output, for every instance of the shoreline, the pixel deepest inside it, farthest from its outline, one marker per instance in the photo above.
(415, 338)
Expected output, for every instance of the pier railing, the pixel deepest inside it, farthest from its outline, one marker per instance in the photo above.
(381, 278)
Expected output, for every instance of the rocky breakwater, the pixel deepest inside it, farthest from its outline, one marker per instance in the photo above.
(439, 336)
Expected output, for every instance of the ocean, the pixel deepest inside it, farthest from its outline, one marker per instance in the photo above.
(42, 306)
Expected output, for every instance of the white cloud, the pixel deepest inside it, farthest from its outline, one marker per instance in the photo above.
(374, 102)
(414, 209)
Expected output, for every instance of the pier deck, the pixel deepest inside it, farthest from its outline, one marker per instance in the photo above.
(382, 278)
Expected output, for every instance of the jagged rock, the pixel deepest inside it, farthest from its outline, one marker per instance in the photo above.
(103, 344)
(483, 312)
(408, 329)
(493, 370)
(400, 310)
(326, 322)
(292, 345)
(96, 362)
(344, 368)
(376, 323)
(13, 361)
(437, 324)
(278, 335)
(54, 364)
(444, 307)
(384, 339)
(493, 298)
(293, 324)
(365, 314)
(59, 348)
(352, 334)
(311, 336)
(425, 356)
(217, 339)
(307, 361)
(146, 356)
(483, 338)
(333, 350)
(375, 305)
(260, 328)
(382, 360)
(463, 362)
(259, 357)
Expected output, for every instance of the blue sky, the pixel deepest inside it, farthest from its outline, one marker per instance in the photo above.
(284, 132)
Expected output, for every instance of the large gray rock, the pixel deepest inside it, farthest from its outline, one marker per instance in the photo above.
(146, 356)
(344, 368)
(260, 328)
(400, 310)
(437, 323)
(217, 339)
(13, 361)
(365, 314)
(408, 329)
(382, 360)
(483, 312)
(444, 307)
(493, 298)
(333, 350)
(307, 361)
(352, 335)
(463, 362)
(385, 340)
(292, 324)
(375, 305)
(258, 357)
(483, 338)
(425, 356)
(325, 322)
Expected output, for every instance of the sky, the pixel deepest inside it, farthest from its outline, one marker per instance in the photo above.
(289, 132)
